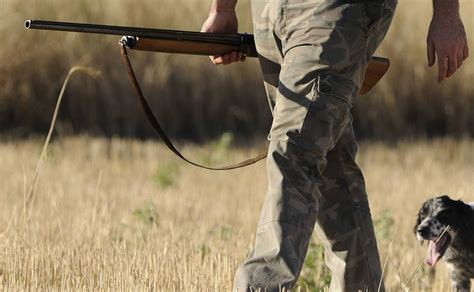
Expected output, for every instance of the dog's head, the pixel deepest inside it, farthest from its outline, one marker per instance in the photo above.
(440, 216)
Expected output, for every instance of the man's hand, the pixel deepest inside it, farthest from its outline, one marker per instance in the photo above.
(223, 22)
(446, 39)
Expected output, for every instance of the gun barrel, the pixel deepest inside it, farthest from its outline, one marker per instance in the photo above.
(242, 42)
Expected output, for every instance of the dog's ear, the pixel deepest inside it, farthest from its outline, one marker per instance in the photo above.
(455, 214)
(450, 203)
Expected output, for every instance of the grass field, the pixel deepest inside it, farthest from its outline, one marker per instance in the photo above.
(127, 215)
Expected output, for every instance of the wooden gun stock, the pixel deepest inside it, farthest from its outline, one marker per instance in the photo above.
(376, 69)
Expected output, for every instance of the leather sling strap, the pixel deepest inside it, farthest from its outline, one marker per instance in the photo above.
(156, 125)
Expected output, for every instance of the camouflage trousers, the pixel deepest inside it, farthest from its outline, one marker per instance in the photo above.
(313, 54)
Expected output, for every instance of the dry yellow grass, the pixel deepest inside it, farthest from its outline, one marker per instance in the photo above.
(127, 215)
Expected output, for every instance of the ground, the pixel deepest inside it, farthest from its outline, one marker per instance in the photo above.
(127, 214)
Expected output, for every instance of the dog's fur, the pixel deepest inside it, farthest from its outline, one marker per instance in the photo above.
(456, 246)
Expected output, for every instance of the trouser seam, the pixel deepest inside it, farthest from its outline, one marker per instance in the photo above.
(357, 219)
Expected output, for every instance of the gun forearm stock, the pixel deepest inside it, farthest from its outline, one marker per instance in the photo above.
(183, 46)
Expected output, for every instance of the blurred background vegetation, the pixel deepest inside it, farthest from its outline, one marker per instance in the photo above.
(192, 98)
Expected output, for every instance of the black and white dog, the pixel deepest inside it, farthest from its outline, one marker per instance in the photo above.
(456, 245)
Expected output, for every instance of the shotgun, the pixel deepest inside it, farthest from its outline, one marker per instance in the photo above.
(187, 42)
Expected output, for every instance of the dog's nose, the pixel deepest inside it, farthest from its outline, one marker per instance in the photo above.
(423, 231)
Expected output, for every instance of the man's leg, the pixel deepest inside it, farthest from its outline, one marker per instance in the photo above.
(310, 72)
(313, 59)
(290, 209)
(344, 222)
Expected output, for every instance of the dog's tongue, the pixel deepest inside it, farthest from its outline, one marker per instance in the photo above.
(433, 255)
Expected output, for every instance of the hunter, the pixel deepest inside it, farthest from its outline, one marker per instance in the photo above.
(313, 55)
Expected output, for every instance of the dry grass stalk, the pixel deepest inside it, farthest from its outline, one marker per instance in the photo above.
(88, 71)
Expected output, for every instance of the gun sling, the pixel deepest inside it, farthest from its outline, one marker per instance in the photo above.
(156, 125)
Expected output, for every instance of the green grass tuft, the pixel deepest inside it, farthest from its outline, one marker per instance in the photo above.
(147, 214)
(167, 175)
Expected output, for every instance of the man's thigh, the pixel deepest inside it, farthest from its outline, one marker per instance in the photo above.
(312, 57)
(306, 38)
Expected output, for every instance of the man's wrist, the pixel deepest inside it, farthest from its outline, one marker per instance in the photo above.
(223, 6)
(446, 9)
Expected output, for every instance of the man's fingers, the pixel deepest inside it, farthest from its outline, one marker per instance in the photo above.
(217, 60)
(465, 51)
(431, 54)
(234, 57)
(460, 58)
(227, 58)
(452, 65)
(442, 67)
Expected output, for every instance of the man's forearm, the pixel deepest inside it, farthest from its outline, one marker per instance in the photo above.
(446, 8)
(223, 5)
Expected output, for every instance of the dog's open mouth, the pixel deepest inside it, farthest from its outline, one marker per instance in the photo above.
(437, 249)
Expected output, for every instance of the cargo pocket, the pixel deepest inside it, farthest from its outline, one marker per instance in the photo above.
(328, 114)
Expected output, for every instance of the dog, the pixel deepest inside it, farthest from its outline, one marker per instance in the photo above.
(448, 225)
